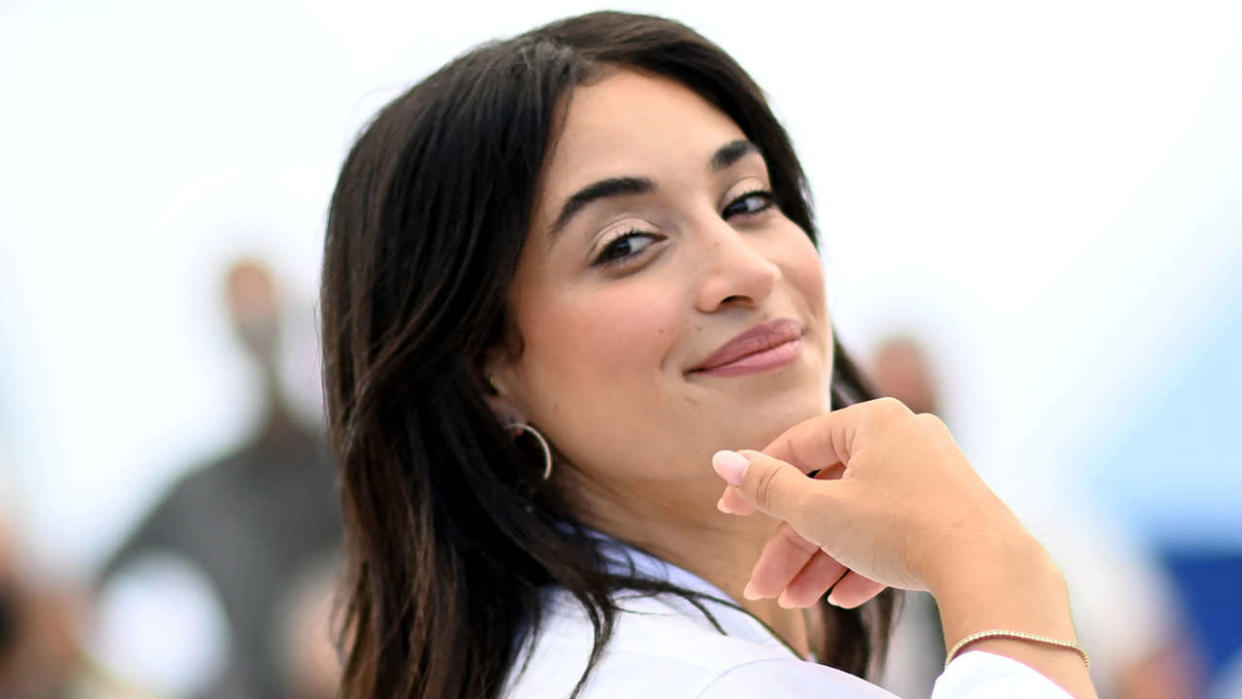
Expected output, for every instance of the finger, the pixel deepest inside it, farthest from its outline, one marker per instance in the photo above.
(813, 444)
(812, 582)
(828, 438)
(780, 489)
(853, 590)
(784, 555)
(732, 502)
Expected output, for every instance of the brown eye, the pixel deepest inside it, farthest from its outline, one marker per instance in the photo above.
(749, 203)
(625, 246)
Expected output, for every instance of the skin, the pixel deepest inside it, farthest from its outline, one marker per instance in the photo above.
(606, 350)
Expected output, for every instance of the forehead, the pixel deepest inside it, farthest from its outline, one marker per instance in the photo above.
(631, 123)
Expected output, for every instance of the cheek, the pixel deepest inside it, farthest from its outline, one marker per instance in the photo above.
(804, 271)
(593, 369)
(806, 274)
(617, 325)
(612, 340)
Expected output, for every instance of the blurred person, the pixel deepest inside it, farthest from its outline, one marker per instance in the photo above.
(900, 369)
(1123, 604)
(254, 521)
(311, 668)
(39, 653)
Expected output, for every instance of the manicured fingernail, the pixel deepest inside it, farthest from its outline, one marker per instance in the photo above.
(720, 505)
(784, 602)
(730, 466)
(749, 592)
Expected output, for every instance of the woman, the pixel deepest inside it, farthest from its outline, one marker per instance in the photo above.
(561, 273)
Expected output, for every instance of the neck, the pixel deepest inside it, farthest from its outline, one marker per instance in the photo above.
(691, 533)
(278, 425)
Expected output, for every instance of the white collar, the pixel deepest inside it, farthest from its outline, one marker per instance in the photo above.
(623, 559)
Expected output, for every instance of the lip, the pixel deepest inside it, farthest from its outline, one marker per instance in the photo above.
(764, 346)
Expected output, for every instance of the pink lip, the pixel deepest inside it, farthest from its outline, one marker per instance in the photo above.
(764, 346)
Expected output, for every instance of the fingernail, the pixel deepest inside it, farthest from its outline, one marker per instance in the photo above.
(749, 592)
(784, 602)
(730, 466)
(720, 505)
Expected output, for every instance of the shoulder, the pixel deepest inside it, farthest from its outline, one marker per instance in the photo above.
(662, 646)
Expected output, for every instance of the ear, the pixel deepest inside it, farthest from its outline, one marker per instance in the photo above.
(498, 379)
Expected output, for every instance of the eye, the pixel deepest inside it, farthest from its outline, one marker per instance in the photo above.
(751, 202)
(625, 246)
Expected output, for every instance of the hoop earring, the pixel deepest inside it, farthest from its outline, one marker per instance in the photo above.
(543, 443)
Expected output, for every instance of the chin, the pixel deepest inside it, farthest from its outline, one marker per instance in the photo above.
(760, 424)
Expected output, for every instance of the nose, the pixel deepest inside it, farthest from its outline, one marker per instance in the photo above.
(737, 272)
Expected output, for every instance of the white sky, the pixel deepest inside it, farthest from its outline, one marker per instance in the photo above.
(1051, 195)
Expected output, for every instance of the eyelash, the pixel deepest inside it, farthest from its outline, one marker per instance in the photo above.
(604, 259)
(765, 194)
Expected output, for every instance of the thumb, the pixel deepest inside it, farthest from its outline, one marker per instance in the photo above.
(775, 487)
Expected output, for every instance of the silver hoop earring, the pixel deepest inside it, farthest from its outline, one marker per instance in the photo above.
(543, 443)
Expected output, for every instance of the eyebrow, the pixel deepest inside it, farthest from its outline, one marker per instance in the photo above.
(730, 153)
(611, 187)
(726, 155)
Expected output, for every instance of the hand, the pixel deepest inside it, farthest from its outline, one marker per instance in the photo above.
(896, 503)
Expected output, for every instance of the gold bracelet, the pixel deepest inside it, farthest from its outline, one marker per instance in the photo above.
(1019, 636)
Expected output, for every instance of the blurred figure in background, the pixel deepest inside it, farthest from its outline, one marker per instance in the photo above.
(257, 523)
(310, 666)
(38, 650)
(900, 369)
(1124, 606)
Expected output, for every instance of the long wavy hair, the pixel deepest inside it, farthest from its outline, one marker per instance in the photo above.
(449, 538)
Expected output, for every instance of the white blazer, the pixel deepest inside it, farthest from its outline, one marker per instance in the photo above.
(663, 647)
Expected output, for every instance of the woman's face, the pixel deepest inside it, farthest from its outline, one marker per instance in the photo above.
(654, 243)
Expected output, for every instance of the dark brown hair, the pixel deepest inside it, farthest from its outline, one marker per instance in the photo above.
(448, 541)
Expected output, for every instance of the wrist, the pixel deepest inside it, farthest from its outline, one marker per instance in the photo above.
(1007, 584)
(995, 560)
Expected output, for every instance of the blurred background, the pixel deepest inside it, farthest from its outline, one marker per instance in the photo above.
(1031, 217)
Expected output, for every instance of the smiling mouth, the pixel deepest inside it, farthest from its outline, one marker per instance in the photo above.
(765, 346)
